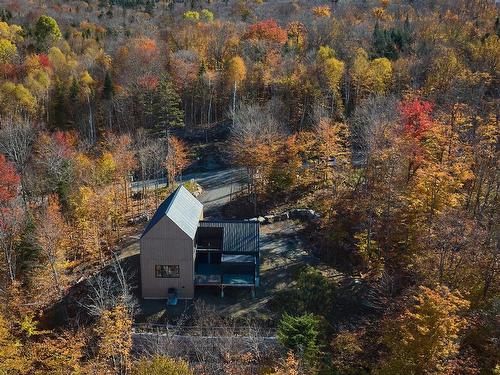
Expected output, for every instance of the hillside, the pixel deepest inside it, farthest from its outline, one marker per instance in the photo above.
(362, 135)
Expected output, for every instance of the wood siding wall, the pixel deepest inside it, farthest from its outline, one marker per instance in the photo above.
(166, 244)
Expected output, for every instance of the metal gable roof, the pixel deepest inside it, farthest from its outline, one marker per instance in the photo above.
(238, 236)
(182, 208)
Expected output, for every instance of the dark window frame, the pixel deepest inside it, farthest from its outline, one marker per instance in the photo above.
(167, 271)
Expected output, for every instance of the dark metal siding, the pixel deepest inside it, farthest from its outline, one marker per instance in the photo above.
(238, 237)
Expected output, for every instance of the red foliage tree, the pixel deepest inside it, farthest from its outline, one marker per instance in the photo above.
(148, 81)
(44, 61)
(9, 181)
(145, 49)
(267, 30)
(65, 143)
(416, 117)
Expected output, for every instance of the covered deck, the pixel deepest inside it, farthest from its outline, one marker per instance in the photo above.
(227, 254)
(225, 275)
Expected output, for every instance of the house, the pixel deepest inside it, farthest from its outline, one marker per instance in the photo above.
(181, 251)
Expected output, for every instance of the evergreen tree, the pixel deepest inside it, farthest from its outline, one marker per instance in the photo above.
(389, 43)
(74, 90)
(108, 90)
(300, 334)
(46, 31)
(378, 40)
(167, 111)
(58, 102)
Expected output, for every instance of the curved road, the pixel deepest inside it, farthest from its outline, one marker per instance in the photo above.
(219, 186)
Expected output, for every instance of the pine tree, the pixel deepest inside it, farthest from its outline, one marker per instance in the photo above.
(167, 109)
(300, 334)
(74, 89)
(378, 40)
(108, 90)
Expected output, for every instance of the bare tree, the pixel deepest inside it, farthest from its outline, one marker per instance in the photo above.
(11, 225)
(107, 290)
(51, 233)
(371, 119)
(254, 132)
(16, 142)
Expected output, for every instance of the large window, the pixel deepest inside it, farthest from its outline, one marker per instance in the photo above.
(167, 271)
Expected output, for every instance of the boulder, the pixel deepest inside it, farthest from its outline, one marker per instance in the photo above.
(284, 216)
(269, 219)
(142, 218)
(299, 213)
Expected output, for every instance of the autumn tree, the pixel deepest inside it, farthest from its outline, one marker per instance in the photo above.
(95, 215)
(425, 336)
(267, 30)
(347, 349)
(63, 352)
(8, 51)
(284, 170)
(322, 11)
(11, 217)
(236, 73)
(160, 365)
(254, 137)
(121, 148)
(370, 76)
(115, 340)
(297, 33)
(332, 71)
(10, 181)
(52, 238)
(177, 158)
(16, 99)
(289, 366)
(12, 360)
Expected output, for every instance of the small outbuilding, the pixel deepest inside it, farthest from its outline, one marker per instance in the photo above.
(181, 251)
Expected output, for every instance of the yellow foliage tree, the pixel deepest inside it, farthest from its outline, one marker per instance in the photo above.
(333, 72)
(63, 64)
(114, 331)
(16, 99)
(11, 32)
(8, 51)
(370, 77)
(106, 167)
(11, 358)
(426, 334)
(95, 216)
(61, 354)
(177, 158)
(161, 365)
(236, 70)
(289, 366)
(380, 74)
(322, 11)
(446, 69)
(236, 73)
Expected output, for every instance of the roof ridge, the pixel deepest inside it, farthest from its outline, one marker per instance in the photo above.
(229, 221)
(174, 194)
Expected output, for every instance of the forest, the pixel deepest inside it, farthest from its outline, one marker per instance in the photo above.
(381, 115)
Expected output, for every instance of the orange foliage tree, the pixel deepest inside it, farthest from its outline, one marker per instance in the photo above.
(267, 30)
(177, 158)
